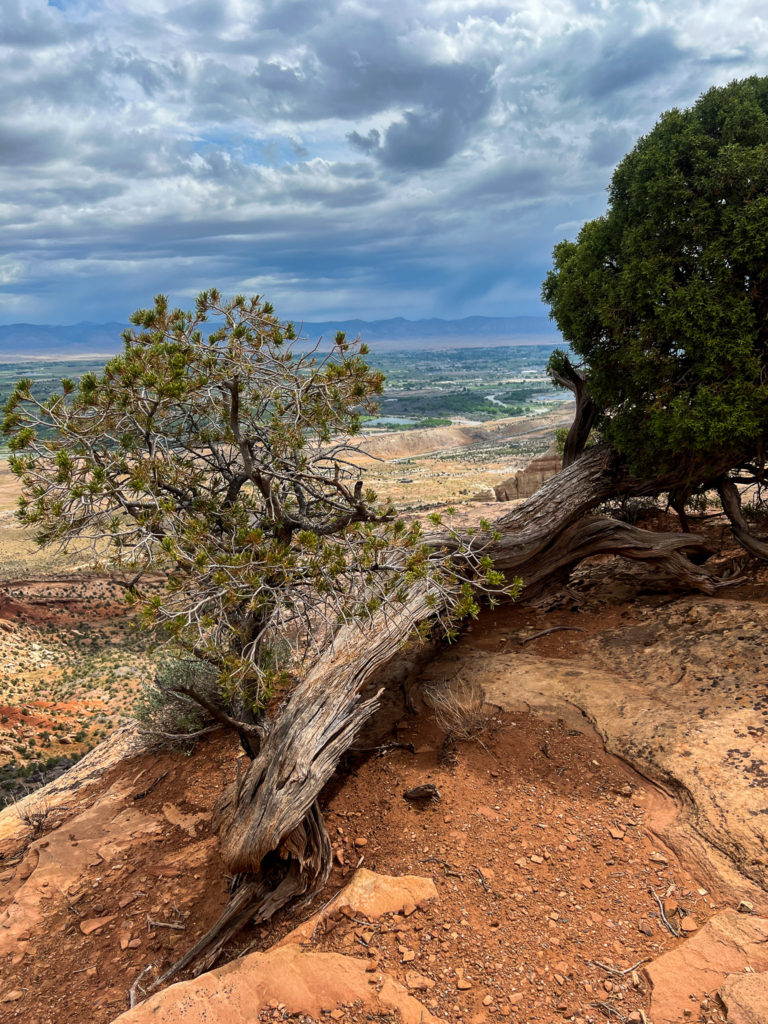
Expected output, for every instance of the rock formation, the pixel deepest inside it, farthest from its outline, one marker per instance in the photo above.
(527, 481)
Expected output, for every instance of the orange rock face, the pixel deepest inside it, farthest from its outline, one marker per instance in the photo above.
(312, 983)
(726, 945)
(371, 895)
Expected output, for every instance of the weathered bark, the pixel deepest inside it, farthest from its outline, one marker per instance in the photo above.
(272, 833)
(271, 830)
(731, 499)
(586, 410)
(300, 867)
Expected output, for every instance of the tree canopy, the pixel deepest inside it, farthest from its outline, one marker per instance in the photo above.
(665, 297)
(217, 455)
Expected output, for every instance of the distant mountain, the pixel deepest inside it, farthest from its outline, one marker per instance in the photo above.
(435, 333)
(20, 340)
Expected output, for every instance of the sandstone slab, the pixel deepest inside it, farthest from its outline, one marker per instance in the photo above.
(726, 945)
(745, 997)
(371, 895)
(108, 827)
(126, 741)
(310, 983)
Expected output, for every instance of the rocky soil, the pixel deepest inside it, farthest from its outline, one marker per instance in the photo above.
(71, 666)
(542, 866)
(597, 849)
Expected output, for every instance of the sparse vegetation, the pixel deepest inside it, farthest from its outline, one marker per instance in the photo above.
(34, 813)
(163, 707)
(460, 708)
(219, 459)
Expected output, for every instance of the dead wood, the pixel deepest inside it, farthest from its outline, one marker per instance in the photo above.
(731, 499)
(273, 839)
(552, 629)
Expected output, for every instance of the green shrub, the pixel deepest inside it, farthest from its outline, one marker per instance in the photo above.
(165, 712)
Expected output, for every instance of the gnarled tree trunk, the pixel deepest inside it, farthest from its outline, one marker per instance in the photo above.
(752, 543)
(272, 833)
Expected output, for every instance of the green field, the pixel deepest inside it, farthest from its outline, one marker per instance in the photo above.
(423, 389)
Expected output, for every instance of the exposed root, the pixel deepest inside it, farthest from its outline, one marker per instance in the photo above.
(273, 838)
(301, 874)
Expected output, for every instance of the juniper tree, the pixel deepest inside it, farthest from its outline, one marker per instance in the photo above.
(664, 300)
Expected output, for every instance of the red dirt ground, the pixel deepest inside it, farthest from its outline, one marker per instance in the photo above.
(538, 848)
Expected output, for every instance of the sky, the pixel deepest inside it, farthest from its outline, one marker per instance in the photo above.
(371, 159)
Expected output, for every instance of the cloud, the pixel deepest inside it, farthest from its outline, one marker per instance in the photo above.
(607, 144)
(22, 146)
(426, 138)
(622, 63)
(402, 158)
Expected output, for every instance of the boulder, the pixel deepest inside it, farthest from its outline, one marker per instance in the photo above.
(371, 895)
(527, 481)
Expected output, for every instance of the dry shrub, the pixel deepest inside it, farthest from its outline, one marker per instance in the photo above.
(34, 814)
(460, 708)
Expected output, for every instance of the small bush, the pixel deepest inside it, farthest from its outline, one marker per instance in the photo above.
(34, 814)
(630, 510)
(756, 510)
(171, 715)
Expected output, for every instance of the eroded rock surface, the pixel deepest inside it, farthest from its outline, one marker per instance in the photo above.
(527, 481)
(745, 997)
(371, 895)
(310, 983)
(683, 697)
(728, 944)
(54, 864)
(126, 741)
(700, 668)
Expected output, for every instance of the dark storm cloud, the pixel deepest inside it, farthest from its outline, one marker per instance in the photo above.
(427, 138)
(342, 157)
(361, 68)
(291, 17)
(621, 63)
(507, 180)
(607, 145)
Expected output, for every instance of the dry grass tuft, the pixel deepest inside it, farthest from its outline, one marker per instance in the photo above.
(34, 814)
(460, 708)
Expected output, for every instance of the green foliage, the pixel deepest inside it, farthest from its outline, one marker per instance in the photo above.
(560, 435)
(162, 709)
(214, 451)
(664, 297)
(445, 403)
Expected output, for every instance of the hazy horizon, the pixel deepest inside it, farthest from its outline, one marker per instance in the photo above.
(29, 341)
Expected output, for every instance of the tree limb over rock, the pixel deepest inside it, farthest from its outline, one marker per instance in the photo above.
(269, 820)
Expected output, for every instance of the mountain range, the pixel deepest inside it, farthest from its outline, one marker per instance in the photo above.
(36, 340)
